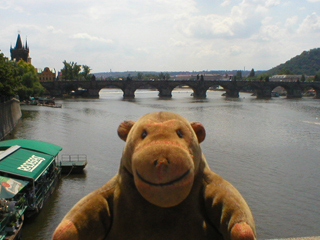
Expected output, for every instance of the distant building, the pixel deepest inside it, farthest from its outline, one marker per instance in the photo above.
(46, 74)
(20, 52)
(285, 78)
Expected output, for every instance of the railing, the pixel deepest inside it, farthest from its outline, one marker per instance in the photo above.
(73, 157)
(43, 186)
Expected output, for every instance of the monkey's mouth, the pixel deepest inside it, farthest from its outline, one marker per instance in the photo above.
(163, 184)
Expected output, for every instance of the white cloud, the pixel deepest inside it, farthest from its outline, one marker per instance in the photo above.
(226, 3)
(291, 24)
(242, 21)
(291, 21)
(310, 24)
(4, 4)
(271, 3)
(54, 30)
(177, 43)
(235, 50)
(8, 4)
(271, 32)
(210, 26)
(91, 38)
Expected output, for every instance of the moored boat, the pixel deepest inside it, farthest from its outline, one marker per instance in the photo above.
(38, 101)
(29, 172)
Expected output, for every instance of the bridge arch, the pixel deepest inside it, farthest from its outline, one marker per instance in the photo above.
(312, 86)
(293, 90)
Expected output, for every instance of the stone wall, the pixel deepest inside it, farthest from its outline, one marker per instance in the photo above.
(10, 113)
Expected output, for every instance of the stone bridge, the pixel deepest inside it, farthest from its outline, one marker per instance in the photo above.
(261, 88)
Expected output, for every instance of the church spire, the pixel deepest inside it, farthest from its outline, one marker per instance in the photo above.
(19, 43)
(20, 51)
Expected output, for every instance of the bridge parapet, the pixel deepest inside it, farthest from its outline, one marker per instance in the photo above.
(165, 87)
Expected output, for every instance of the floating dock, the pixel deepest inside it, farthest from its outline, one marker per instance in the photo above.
(74, 163)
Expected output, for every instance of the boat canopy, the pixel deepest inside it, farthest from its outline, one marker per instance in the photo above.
(26, 158)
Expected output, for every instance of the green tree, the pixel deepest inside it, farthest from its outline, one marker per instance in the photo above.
(72, 71)
(140, 76)
(86, 72)
(285, 72)
(66, 71)
(8, 80)
(162, 76)
(29, 81)
(239, 75)
(252, 73)
(263, 76)
(150, 76)
(76, 71)
(18, 78)
(316, 78)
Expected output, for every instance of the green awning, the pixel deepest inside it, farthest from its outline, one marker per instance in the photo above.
(34, 145)
(26, 158)
(26, 163)
(9, 187)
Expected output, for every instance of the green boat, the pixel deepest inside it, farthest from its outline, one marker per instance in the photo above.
(29, 172)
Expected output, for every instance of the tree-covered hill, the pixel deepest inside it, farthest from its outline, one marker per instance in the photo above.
(308, 63)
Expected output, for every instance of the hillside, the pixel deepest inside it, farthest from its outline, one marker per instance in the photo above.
(308, 63)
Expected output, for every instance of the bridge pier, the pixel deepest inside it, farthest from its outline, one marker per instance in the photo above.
(200, 92)
(232, 88)
(128, 89)
(165, 92)
(93, 93)
(263, 92)
(128, 92)
(232, 93)
(200, 89)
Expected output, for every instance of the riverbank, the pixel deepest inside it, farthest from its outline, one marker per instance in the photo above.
(10, 115)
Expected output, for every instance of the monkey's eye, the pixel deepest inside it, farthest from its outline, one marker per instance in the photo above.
(179, 133)
(144, 134)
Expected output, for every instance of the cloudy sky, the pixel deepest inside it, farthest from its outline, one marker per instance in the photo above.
(161, 35)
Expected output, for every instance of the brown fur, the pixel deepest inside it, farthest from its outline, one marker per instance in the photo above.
(164, 190)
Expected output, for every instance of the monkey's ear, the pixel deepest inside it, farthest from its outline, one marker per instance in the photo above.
(199, 130)
(124, 129)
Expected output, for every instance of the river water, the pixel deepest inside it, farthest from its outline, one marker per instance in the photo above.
(268, 149)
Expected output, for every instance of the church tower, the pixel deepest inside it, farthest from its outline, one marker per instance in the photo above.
(20, 52)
